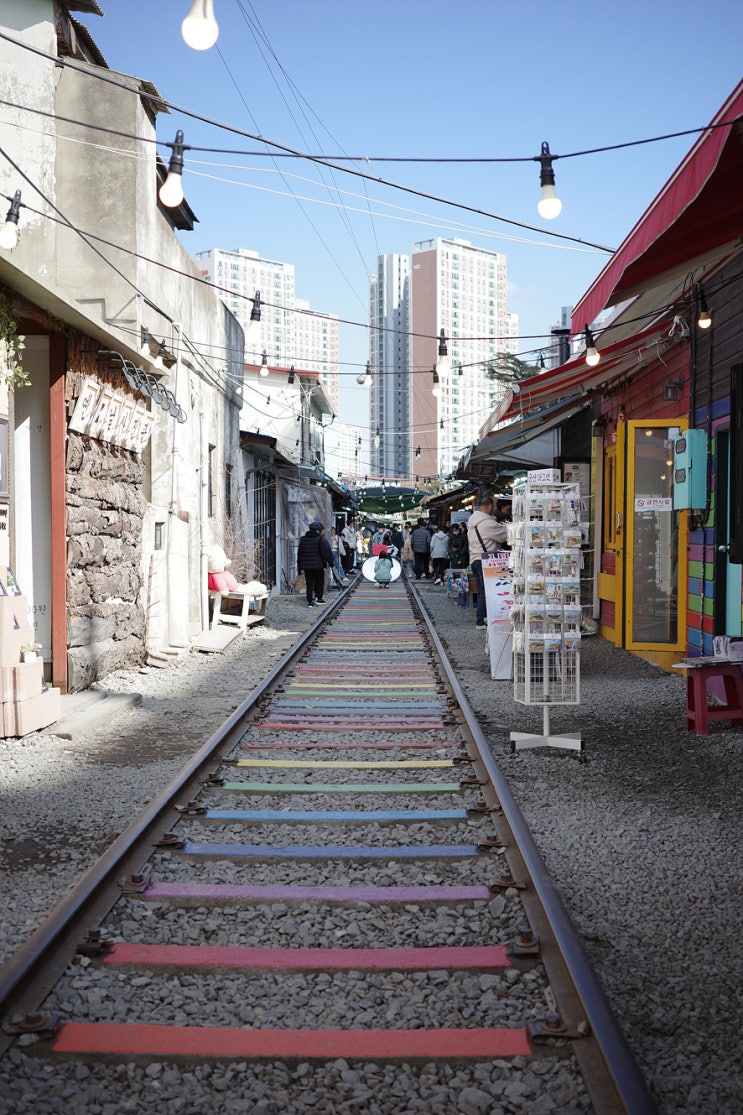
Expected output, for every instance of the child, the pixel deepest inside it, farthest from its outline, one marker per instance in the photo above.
(383, 569)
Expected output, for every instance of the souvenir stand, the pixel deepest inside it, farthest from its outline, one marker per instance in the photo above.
(545, 538)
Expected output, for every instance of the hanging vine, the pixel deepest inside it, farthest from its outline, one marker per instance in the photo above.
(12, 345)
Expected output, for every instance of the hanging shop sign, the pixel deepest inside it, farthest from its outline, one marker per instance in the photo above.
(108, 415)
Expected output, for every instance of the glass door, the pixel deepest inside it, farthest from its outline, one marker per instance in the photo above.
(655, 542)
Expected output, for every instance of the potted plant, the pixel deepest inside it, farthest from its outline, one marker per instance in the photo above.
(30, 651)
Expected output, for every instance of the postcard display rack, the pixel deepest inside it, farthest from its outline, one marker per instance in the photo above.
(546, 559)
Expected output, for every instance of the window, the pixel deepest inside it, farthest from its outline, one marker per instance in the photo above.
(228, 492)
(210, 508)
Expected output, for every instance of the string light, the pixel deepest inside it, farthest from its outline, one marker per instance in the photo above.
(436, 389)
(144, 347)
(9, 231)
(264, 364)
(592, 354)
(290, 378)
(365, 380)
(171, 191)
(417, 455)
(255, 313)
(549, 205)
(200, 29)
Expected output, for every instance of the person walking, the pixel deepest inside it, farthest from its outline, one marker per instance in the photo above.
(383, 569)
(314, 556)
(348, 534)
(420, 542)
(336, 544)
(485, 535)
(439, 555)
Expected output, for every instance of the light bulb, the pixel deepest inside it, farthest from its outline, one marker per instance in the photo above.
(704, 320)
(549, 204)
(171, 191)
(8, 235)
(200, 29)
(436, 390)
(264, 364)
(592, 357)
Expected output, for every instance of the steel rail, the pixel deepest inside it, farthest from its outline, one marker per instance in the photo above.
(56, 936)
(631, 1088)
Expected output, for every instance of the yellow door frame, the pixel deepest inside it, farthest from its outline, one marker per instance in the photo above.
(663, 654)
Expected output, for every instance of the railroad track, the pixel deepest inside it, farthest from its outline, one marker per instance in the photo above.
(340, 875)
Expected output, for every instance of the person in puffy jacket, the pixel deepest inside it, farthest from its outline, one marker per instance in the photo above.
(383, 569)
(439, 554)
(314, 556)
(420, 542)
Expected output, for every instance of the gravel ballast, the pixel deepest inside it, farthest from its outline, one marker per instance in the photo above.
(641, 839)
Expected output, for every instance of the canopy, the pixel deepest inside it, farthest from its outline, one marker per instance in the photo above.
(389, 500)
(695, 217)
(573, 380)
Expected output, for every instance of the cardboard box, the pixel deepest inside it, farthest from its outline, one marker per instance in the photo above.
(18, 683)
(22, 717)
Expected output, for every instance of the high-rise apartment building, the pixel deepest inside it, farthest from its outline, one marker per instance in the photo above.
(450, 286)
(390, 404)
(288, 331)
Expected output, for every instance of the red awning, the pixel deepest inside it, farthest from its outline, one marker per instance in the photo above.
(575, 378)
(698, 212)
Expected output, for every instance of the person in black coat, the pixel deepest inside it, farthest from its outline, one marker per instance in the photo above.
(314, 556)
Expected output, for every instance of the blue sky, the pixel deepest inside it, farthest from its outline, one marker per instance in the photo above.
(428, 78)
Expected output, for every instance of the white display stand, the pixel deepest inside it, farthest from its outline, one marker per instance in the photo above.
(546, 559)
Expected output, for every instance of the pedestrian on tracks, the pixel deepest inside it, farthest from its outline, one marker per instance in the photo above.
(439, 555)
(348, 534)
(383, 569)
(485, 535)
(314, 556)
(420, 542)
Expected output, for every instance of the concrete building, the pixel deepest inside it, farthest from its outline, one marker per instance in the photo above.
(120, 469)
(449, 286)
(288, 331)
(389, 355)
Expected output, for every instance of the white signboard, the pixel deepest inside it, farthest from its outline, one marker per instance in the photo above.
(653, 503)
(544, 476)
(498, 599)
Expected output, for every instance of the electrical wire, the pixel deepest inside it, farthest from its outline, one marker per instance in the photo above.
(160, 102)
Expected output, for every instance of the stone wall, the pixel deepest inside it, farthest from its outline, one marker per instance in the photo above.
(105, 507)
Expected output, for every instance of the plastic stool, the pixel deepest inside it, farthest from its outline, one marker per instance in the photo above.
(698, 712)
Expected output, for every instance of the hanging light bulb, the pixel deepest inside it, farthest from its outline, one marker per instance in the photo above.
(704, 320)
(290, 378)
(171, 191)
(255, 313)
(417, 455)
(549, 205)
(264, 364)
(144, 347)
(200, 29)
(444, 363)
(461, 369)
(592, 354)
(158, 362)
(365, 379)
(436, 389)
(9, 231)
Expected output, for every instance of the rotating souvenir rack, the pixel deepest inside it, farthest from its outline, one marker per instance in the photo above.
(546, 559)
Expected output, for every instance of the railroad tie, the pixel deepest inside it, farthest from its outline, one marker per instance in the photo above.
(208, 1042)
